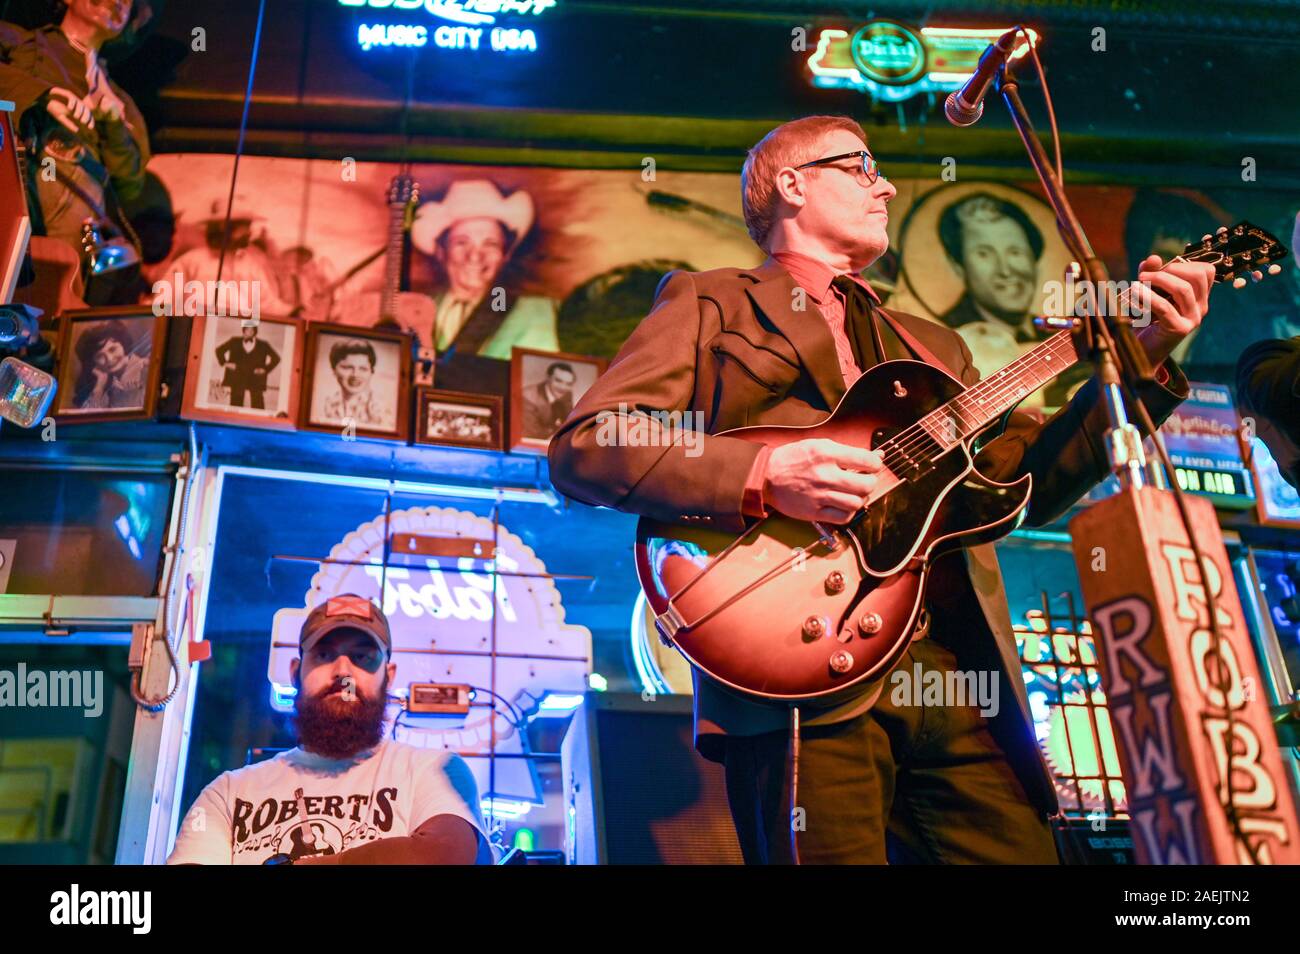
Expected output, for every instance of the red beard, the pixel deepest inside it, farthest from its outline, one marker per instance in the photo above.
(337, 729)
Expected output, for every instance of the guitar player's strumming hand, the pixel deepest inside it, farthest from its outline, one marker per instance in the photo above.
(820, 480)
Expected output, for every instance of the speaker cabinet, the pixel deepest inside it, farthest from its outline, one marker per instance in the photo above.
(636, 791)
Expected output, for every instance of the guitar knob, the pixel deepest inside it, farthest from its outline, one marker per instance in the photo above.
(1239, 283)
(1275, 269)
(815, 627)
(842, 661)
(870, 623)
(835, 582)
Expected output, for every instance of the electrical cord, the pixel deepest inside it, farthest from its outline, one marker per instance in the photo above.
(239, 144)
(178, 550)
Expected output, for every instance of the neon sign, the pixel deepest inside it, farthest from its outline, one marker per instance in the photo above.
(448, 38)
(894, 62)
(471, 12)
(494, 622)
(475, 27)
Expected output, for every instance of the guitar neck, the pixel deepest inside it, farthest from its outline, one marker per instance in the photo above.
(983, 403)
(393, 260)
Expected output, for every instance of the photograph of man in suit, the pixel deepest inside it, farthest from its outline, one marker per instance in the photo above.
(879, 780)
(994, 248)
(548, 402)
(247, 362)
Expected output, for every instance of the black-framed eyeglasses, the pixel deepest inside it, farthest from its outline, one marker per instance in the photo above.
(870, 168)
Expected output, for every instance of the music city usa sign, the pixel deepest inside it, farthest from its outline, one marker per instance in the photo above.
(455, 621)
(467, 24)
(1192, 723)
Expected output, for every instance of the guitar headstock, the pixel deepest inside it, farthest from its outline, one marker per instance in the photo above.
(403, 190)
(1238, 252)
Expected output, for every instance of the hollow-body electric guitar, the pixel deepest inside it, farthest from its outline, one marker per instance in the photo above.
(795, 611)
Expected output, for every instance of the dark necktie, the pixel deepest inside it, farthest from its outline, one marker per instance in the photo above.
(860, 323)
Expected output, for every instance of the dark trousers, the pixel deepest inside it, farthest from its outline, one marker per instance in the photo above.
(257, 397)
(900, 784)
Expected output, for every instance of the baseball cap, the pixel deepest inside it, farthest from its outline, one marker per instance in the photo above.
(347, 611)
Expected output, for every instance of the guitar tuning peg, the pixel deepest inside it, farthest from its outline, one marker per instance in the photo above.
(1221, 230)
(1274, 269)
(1205, 237)
(1239, 283)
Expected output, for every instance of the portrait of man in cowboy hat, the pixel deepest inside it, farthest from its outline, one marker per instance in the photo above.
(471, 233)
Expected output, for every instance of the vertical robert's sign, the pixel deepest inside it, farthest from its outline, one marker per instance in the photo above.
(1192, 724)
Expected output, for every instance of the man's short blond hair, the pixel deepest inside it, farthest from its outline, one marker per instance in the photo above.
(789, 144)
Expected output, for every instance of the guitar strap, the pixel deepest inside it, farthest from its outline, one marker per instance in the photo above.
(911, 341)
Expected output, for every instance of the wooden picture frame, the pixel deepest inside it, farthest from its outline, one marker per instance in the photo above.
(127, 391)
(528, 369)
(206, 379)
(1269, 482)
(431, 401)
(384, 414)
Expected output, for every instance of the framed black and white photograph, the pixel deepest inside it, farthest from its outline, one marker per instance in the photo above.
(356, 380)
(244, 372)
(110, 363)
(544, 386)
(459, 419)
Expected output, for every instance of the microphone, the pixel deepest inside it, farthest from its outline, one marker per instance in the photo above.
(965, 106)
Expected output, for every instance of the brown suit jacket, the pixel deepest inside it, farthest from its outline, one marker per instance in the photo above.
(730, 345)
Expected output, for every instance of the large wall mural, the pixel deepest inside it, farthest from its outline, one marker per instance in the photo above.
(568, 260)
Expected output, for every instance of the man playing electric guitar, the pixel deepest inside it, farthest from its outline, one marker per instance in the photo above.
(780, 344)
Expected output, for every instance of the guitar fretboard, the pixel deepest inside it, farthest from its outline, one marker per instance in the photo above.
(393, 260)
(979, 405)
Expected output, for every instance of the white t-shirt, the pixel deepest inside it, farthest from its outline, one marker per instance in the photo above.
(300, 803)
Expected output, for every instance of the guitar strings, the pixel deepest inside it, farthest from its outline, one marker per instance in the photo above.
(994, 389)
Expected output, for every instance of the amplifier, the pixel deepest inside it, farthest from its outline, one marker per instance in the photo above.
(635, 789)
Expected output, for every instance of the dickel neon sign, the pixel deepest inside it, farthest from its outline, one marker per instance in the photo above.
(470, 12)
(894, 62)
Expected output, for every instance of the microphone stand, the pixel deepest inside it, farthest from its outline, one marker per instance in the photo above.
(1107, 340)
